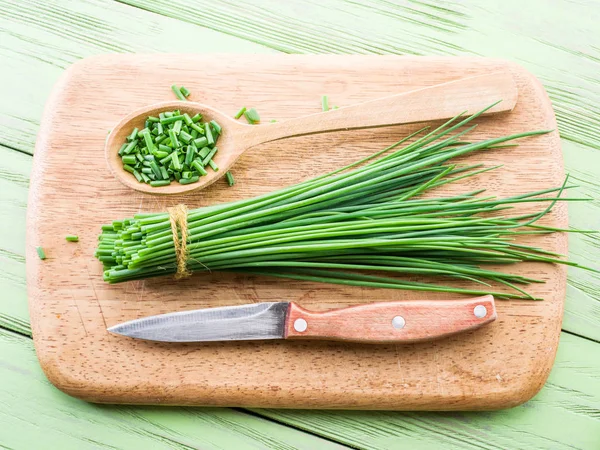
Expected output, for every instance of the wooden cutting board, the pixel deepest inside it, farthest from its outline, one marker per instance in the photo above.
(73, 192)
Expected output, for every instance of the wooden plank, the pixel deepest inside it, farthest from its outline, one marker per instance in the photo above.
(14, 187)
(34, 50)
(68, 297)
(41, 38)
(33, 412)
(564, 415)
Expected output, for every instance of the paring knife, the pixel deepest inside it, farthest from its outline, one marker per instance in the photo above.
(402, 321)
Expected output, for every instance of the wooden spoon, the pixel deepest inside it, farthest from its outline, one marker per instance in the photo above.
(441, 101)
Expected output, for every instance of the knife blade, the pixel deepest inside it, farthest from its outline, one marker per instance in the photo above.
(401, 321)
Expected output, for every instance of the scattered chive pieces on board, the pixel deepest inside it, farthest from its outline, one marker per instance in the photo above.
(230, 179)
(177, 91)
(40, 252)
(184, 91)
(335, 107)
(325, 103)
(273, 121)
(240, 112)
(252, 116)
(72, 238)
(352, 224)
(169, 146)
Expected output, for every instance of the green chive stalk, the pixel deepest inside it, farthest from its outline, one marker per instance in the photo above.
(362, 225)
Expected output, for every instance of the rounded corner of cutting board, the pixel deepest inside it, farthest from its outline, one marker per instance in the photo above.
(381, 387)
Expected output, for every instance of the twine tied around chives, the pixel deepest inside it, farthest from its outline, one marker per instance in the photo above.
(178, 219)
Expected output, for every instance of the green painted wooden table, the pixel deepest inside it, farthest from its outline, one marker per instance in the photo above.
(558, 41)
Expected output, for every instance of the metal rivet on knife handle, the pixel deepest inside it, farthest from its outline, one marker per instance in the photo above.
(398, 322)
(300, 325)
(480, 311)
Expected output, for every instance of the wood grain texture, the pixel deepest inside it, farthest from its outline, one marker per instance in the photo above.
(438, 102)
(71, 307)
(424, 320)
(568, 401)
(34, 50)
(33, 414)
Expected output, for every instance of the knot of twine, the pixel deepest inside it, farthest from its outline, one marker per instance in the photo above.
(178, 219)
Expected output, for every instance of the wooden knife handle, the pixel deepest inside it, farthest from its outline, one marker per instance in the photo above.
(404, 321)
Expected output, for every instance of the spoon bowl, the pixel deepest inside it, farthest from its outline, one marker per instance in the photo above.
(442, 101)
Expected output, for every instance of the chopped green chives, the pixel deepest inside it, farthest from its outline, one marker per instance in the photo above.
(325, 103)
(215, 126)
(173, 138)
(205, 151)
(133, 135)
(158, 183)
(72, 238)
(171, 119)
(196, 128)
(184, 91)
(230, 179)
(190, 180)
(213, 165)
(209, 156)
(164, 173)
(240, 112)
(201, 141)
(41, 253)
(177, 92)
(175, 159)
(129, 159)
(177, 127)
(197, 165)
(252, 116)
(171, 146)
(189, 156)
(208, 134)
(185, 137)
(130, 147)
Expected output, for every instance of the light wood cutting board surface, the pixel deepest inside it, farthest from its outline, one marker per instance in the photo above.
(73, 192)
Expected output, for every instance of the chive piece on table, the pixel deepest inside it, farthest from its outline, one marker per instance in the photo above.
(184, 91)
(230, 179)
(325, 103)
(41, 253)
(72, 238)
(177, 92)
(158, 183)
(252, 116)
(240, 112)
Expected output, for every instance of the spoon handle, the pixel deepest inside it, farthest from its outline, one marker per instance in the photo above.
(441, 101)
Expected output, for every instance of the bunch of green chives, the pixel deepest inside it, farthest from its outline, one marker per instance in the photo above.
(172, 146)
(366, 217)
